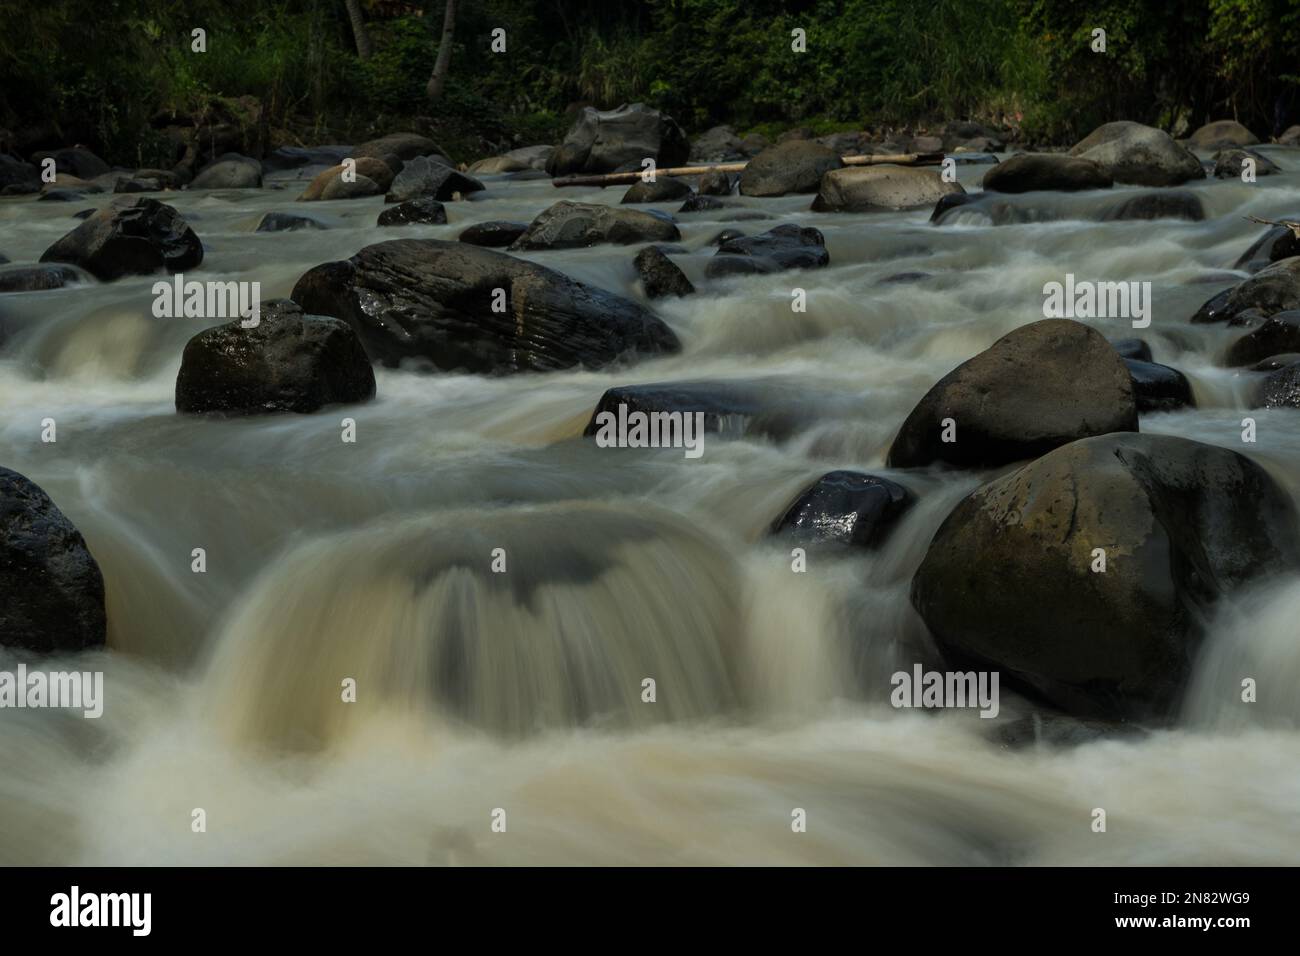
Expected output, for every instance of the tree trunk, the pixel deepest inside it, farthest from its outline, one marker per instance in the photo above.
(358, 28)
(438, 78)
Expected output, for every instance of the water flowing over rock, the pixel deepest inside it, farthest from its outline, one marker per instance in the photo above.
(786, 246)
(288, 362)
(846, 507)
(437, 303)
(1036, 388)
(1010, 581)
(51, 589)
(134, 236)
(1271, 290)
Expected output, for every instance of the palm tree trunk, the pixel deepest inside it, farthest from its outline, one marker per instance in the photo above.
(438, 78)
(358, 28)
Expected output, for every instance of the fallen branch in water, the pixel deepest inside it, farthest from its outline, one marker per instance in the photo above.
(1293, 226)
(616, 179)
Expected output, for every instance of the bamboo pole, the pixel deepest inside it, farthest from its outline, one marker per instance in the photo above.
(616, 179)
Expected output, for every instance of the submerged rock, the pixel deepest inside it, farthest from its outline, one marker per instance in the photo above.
(787, 246)
(846, 507)
(437, 302)
(730, 409)
(51, 588)
(1011, 581)
(424, 211)
(288, 362)
(134, 236)
(37, 278)
(496, 233)
(1164, 204)
(286, 222)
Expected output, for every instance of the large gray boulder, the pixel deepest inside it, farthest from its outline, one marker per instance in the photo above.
(1038, 387)
(456, 306)
(51, 588)
(868, 188)
(1221, 134)
(573, 225)
(795, 166)
(1143, 155)
(427, 178)
(134, 236)
(231, 171)
(1012, 580)
(603, 140)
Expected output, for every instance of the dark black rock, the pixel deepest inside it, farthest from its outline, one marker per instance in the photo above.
(426, 211)
(659, 275)
(286, 222)
(288, 362)
(425, 178)
(1159, 388)
(846, 507)
(497, 233)
(51, 588)
(134, 236)
(787, 246)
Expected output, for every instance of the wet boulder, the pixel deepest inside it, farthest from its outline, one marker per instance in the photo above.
(730, 409)
(51, 588)
(869, 188)
(716, 184)
(1275, 335)
(426, 178)
(703, 203)
(397, 149)
(663, 189)
(1038, 387)
(1141, 155)
(230, 171)
(574, 225)
(373, 169)
(601, 141)
(1278, 243)
(18, 177)
(786, 246)
(1281, 389)
(1011, 581)
(286, 222)
(423, 211)
(659, 275)
(342, 188)
(74, 161)
(288, 362)
(1133, 349)
(1229, 163)
(1030, 172)
(845, 507)
(795, 166)
(436, 304)
(1159, 388)
(496, 233)
(1158, 204)
(1221, 134)
(1271, 290)
(133, 236)
(717, 145)
(37, 278)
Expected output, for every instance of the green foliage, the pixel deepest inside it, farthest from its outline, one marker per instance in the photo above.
(96, 71)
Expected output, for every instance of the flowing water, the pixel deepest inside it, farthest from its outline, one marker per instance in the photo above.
(522, 691)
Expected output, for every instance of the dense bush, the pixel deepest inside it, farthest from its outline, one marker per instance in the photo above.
(96, 71)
